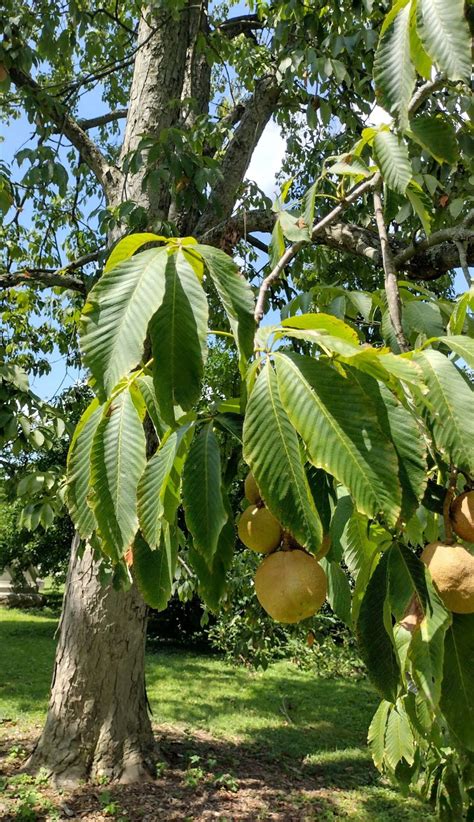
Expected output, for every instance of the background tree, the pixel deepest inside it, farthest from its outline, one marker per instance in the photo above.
(178, 170)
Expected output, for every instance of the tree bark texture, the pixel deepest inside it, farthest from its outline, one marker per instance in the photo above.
(97, 722)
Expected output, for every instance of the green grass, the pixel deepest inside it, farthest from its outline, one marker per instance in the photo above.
(313, 728)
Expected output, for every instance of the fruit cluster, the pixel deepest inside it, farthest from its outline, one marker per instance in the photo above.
(290, 583)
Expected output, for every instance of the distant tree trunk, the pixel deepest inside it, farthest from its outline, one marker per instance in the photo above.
(97, 721)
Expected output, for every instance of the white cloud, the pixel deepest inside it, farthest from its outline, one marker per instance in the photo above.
(267, 159)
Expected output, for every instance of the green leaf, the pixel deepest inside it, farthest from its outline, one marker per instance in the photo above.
(451, 403)
(115, 317)
(152, 488)
(295, 229)
(349, 166)
(458, 682)
(405, 432)
(202, 493)
(154, 570)
(374, 641)
(399, 741)
(79, 470)
(445, 35)
(361, 555)
(309, 200)
(178, 333)
(117, 463)
(436, 134)
(235, 295)
(391, 156)
(421, 60)
(352, 447)
(127, 247)
(394, 73)
(407, 578)
(339, 590)
(421, 204)
(461, 345)
(147, 390)
(212, 580)
(376, 735)
(272, 451)
(323, 324)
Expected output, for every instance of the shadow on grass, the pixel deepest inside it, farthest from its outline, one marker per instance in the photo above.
(202, 778)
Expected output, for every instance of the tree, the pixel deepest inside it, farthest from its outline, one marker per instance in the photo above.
(355, 412)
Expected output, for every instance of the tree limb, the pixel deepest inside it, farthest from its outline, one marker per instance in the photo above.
(49, 107)
(319, 228)
(50, 278)
(103, 119)
(423, 92)
(258, 111)
(391, 285)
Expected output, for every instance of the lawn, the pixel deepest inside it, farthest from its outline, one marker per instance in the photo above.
(235, 744)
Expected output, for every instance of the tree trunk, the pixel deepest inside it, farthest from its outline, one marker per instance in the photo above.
(97, 721)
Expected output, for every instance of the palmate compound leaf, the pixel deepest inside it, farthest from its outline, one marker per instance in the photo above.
(394, 72)
(178, 333)
(127, 246)
(158, 489)
(458, 681)
(445, 35)
(234, 293)
(117, 463)
(350, 446)
(408, 577)
(450, 407)
(272, 451)
(154, 570)
(79, 470)
(373, 626)
(115, 317)
(339, 590)
(203, 500)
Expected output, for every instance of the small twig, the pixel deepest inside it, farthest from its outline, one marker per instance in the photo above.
(424, 92)
(390, 271)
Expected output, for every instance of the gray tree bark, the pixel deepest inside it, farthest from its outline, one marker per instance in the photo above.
(97, 723)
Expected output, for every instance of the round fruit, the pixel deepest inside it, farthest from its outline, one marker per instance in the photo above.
(462, 516)
(252, 492)
(259, 530)
(452, 570)
(290, 586)
(3, 73)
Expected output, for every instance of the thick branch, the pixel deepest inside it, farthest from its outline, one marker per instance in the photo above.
(54, 111)
(103, 119)
(391, 285)
(50, 278)
(243, 24)
(238, 154)
(422, 93)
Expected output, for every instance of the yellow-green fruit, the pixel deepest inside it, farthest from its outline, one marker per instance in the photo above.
(290, 586)
(252, 491)
(452, 570)
(462, 516)
(259, 530)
